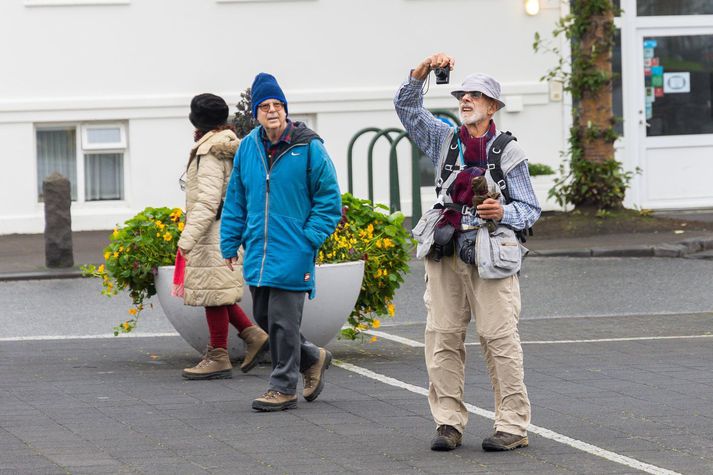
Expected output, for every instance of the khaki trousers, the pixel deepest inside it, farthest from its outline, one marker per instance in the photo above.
(454, 292)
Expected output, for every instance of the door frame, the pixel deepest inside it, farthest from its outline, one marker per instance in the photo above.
(633, 30)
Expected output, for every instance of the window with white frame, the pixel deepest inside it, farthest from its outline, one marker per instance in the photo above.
(90, 155)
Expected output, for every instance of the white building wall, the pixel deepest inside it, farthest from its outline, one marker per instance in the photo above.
(139, 62)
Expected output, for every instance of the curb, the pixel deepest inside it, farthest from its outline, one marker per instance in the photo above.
(690, 248)
(41, 275)
(684, 248)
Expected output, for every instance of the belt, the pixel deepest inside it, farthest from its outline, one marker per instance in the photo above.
(469, 227)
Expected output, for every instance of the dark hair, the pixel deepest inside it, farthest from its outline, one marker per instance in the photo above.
(198, 133)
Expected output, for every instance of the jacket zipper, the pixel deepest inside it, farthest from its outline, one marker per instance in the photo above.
(267, 200)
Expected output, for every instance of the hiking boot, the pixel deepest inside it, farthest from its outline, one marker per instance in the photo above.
(214, 365)
(256, 341)
(503, 441)
(275, 401)
(314, 376)
(447, 438)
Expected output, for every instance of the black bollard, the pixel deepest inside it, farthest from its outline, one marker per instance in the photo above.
(58, 221)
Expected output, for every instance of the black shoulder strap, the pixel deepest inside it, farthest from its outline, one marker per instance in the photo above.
(495, 155)
(449, 164)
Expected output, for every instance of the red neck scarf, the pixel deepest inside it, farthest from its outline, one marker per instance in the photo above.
(475, 152)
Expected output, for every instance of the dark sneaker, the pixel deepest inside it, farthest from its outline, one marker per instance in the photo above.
(314, 376)
(503, 441)
(447, 438)
(275, 401)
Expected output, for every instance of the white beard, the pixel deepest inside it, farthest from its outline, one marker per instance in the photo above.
(477, 115)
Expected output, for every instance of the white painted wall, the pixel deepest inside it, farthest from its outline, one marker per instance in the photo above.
(339, 62)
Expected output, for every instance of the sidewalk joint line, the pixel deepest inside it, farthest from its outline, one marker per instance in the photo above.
(86, 337)
(418, 344)
(541, 431)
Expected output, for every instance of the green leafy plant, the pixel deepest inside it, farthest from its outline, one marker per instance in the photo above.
(243, 119)
(537, 169)
(135, 250)
(367, 232)
(592, 178)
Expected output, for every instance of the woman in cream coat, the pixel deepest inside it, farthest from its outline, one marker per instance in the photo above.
(208, 282)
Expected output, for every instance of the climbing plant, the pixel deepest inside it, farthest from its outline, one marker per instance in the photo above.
(592, 178)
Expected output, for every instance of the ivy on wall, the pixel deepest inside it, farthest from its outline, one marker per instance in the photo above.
(592, 178)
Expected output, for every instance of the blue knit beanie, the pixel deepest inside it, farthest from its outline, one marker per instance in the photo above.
(265, 87)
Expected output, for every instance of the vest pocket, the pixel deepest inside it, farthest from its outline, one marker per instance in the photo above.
(505, 250)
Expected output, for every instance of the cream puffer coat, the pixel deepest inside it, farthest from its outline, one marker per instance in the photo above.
(208, 281)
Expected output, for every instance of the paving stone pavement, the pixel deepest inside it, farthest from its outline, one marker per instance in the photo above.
(119, 406)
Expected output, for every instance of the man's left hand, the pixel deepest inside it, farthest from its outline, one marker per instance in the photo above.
(490, 209)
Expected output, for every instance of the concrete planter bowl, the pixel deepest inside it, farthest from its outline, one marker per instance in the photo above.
(338, 287)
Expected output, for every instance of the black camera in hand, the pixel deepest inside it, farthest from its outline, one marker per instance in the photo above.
(443, 75)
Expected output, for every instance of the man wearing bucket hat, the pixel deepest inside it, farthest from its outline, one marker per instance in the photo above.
(457, 288)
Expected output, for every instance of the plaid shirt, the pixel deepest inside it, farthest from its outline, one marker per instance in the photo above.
(273, 149)
(429, 133)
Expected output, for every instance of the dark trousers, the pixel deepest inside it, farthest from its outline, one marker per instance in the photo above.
(279, 313)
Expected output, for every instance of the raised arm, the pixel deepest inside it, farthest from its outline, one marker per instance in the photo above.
(424, 128)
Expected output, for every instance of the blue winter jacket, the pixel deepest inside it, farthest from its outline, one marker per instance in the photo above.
(274, 213)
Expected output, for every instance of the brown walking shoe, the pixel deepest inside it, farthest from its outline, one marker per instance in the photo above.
(503, 441)
(447, 438)
(256, 341)
(214, 365)
(275, 401)
(314, 376)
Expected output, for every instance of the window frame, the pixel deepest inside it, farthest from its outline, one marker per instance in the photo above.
(81, 151)
(86, 127)
(74, 3)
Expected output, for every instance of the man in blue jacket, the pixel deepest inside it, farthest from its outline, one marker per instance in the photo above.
(282, 202)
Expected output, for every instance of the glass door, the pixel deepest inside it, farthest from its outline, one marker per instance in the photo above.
(675, 116)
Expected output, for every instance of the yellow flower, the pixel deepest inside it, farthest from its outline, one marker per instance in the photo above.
(160, 225)
(133, 311)
(181, 225)
(176, 214)
(379, 243)
(115, 234)
(158, 234)
(116, 253)
(125, 326)
(373, 339)
(388, 243)
(106, 255)
(391, 309)
(375, 324)
(100, 269)
(167, 237)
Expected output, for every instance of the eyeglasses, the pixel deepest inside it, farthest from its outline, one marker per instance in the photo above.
(266, 107)
(473, 94)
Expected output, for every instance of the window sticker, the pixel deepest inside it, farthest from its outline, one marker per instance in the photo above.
(677, 83)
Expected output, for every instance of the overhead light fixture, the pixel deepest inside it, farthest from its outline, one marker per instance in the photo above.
(532, 7)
